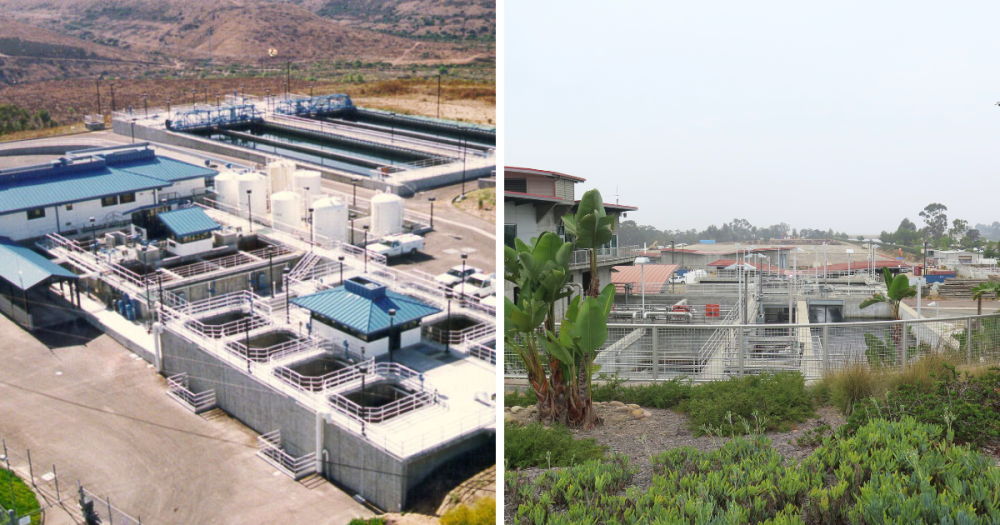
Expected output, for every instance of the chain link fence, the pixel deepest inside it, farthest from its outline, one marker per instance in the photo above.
(649, 352)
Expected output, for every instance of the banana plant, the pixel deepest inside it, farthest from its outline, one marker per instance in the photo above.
(592, 227)
(896, 290)
(540, 271)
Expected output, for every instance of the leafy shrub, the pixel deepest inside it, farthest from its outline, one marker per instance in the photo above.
(484, 512)
(773, 400)
(370, 521)
(886, 472)
(662, 394)
(24, 501)
(968, 405)
(518, 399)
(537, 446)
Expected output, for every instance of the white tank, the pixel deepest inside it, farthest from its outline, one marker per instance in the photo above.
(303, 179)
(330, 220)
(257, 184)
(280, 174)
(286, 210)
(225, 187)
(387, 215)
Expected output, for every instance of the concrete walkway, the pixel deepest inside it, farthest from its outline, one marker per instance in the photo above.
(101, 416)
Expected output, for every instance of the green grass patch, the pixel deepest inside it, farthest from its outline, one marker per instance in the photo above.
(535, 445)
(24, 501)
(661, 394)
(741, 405)
(885, 472)
(517, 398)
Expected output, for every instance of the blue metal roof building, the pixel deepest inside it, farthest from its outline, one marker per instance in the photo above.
(361, 308)
(24, 268)
(100, 175)
(188, 222)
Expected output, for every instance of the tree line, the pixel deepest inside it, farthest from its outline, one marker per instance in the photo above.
(14, 118)
(738, 230)
(941, 234)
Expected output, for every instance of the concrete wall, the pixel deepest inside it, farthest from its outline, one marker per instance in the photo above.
(353, 462)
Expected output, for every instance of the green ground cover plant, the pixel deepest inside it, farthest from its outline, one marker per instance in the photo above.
(24, 500)
(535, 445)
(483, 512)
(886, 472)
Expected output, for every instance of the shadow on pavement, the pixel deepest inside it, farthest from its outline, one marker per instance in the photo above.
(70, 333)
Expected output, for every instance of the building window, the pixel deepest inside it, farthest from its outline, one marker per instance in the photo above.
(69, 207)
(509, 233)
(210, 182)
(126, 198)
(518, 185)
(109, 201)
(36, 213)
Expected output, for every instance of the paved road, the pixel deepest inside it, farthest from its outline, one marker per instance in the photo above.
(101, 416)
(952, 307)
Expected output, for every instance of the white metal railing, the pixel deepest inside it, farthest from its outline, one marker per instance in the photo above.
(327, 381)
(177, 388)
(269, 449)
(606, 255)
(384, 412)
(483, 353)
(456, 337)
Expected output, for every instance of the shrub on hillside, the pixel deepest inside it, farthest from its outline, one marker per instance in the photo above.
(771, 401)
(484, 512)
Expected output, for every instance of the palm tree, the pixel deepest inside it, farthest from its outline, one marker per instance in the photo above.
(987, 288)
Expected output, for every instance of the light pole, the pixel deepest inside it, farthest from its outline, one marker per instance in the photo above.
(270, 268)
(448, 294)
(464, 257)
(340, 259)
(288, 316)
(392, 318)
(642, 261)
(93, 232)
(354, 182)
(628, 288)
(351, 216)
(218, 100)
(312, 239)
(432, 199)
(145, 106)
(365, 247)
(249, 211)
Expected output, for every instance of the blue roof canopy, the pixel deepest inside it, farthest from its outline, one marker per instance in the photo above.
(363, 305)
(25, 268)
(188, 221)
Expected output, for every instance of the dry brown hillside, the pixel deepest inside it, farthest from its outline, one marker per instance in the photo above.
(238, 30)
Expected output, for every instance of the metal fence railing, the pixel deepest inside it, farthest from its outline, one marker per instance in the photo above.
(606, 255)
(712, 352)
(269, 449)
(177, 388)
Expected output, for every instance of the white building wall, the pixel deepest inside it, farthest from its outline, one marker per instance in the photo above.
(372, 348)
(17, 226)
(190, 248)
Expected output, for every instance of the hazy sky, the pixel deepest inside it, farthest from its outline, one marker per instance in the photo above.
(836, 115)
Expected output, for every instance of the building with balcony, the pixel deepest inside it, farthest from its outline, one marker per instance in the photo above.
(536, 200)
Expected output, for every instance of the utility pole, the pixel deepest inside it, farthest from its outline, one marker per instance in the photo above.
(99, 97)
(439, 95)
(288, 78)
(112, 96)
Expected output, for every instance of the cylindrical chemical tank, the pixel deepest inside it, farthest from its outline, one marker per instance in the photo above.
(280, 173)
(225, 187)
(257, 184)
(387, 215)
(286, 210)
(312, 180)
(330, 220)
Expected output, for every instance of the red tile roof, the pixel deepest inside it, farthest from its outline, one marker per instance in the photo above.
(656, 275)
(616, 206)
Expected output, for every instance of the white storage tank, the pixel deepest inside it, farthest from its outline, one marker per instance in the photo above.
(387, 215)
(225, 187)
(257, 184)
(312, 180)
(330, 220)
(286, 210)
(280, 174)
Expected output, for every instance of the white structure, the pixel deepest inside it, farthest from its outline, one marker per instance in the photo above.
(330, 219)
(226, 187)
(954, 257)
(280, 174)
(286, 210)
(387, 215)
(309, 184)
(256, 184)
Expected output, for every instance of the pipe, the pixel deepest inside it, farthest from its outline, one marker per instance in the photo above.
(157, 349)
(654, 313)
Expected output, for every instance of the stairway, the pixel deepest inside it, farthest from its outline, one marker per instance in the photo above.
(304, 266)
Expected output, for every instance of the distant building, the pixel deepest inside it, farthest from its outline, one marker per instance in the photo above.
(535, 201)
